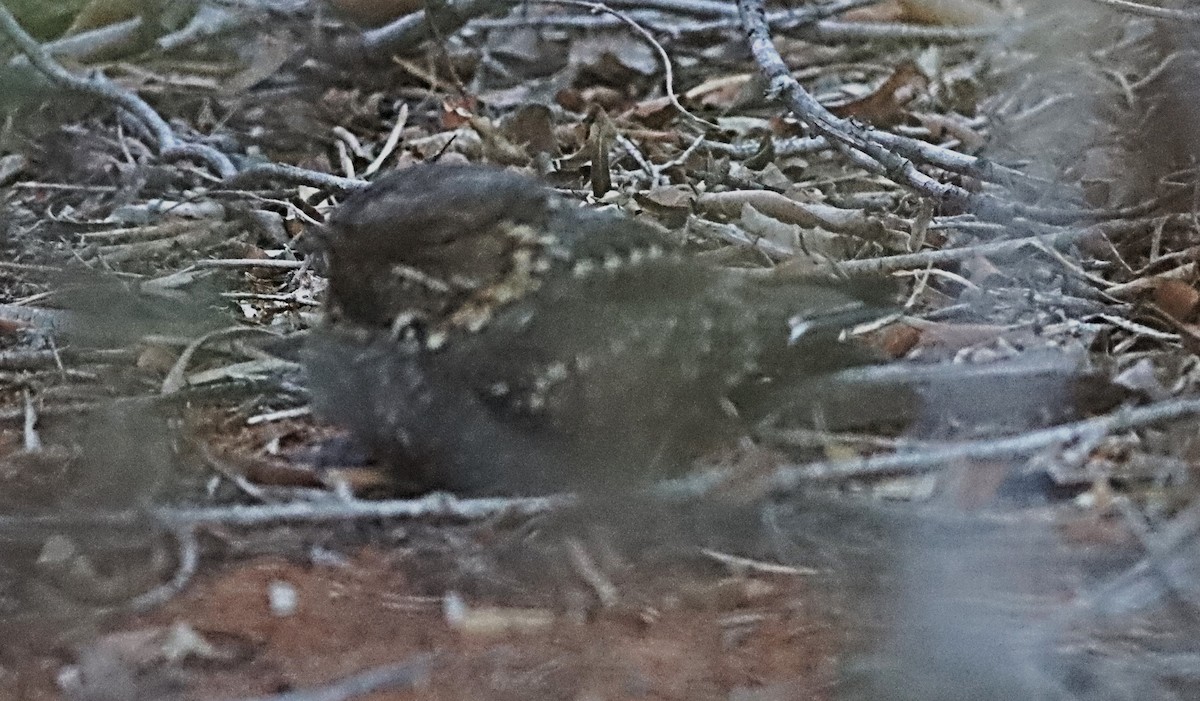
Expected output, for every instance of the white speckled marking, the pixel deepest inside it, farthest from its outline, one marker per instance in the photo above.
(583, 268)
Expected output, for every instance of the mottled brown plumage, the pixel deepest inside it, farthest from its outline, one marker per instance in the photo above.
(487, 336)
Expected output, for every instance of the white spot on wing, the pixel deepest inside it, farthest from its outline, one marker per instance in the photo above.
(583, 268)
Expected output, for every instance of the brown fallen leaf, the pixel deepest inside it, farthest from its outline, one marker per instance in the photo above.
(896, 340)
(458, 112)
(1180, 300)
(11, 327)
(952, 13)
(886, 105)
(671, 203)
(655, 112)
(886, 11)
(496, 146)
(533, 127)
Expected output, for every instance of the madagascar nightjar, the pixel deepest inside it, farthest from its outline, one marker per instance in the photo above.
(485, 335)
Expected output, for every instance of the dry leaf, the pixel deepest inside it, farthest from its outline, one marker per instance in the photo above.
(611, 58)
(886, 11)
(101, 13)
(671, 204)
(1177, 298)
(885, 106)
(719, 93)
(1099, 171)
(533, 127)
(1141, 379)
(496, 147)
(896, 340)
(11, 167)
(654, 113)
(9, 327)
(606, 98)
(458, 112)
(603, 133)
(952, 13)
(157, 359)
(269, 54)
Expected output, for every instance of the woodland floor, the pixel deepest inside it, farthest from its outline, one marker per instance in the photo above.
(1030, 533)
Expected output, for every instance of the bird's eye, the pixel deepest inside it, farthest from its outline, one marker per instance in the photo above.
(410, 327)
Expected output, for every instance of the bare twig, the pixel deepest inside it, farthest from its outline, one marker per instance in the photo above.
(390, 145)
(1172, 554)
(209, 20)
(709, 8)
(170, 147)
(738, 237)
(194, 234)
(923, 259)
(409, 31)
(175, 379)
(791, 146)
(248, 263)
(838, 30)
(739, 565)
(26, 359)
(935, 457)
(870, 148)
(434, 506)
(585, 567)
(85, 45)
(187, 562)
(1181, 585)
(282, 414)
(830, 30)
(33, 442)
(669, 79)
(1137, 8)
(263, 172)
(698, 8)
(406, 675)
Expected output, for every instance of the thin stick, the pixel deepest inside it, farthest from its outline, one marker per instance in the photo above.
(869, 147)
(406, 675)
(295, 175)
(389, 145)
(434, 506)
(188, 562)
(170, 147)
(1137, 8)
(248, 263)
(669, 80)
(787, 479)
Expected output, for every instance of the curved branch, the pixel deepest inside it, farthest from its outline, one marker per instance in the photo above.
(170, 147)
(870, 148)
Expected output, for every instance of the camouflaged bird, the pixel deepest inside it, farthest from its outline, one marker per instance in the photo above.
(485, 335)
